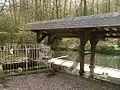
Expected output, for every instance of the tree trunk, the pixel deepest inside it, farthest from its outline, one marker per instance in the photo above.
(116, 5)
(109, 4)
(85, 8)
(97, 6)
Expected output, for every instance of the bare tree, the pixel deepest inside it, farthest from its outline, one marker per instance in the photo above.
(97, 6)
(36, 11)
(57, 9)
(65, 6)
(60, 8)
(109, 5)
(116, 5)
(93, 4)
(85, 8)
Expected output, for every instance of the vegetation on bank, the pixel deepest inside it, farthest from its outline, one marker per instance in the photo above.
(103, 47)
(17, 38)
(109, 49)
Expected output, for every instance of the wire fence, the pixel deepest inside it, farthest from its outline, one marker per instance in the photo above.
(26, 57)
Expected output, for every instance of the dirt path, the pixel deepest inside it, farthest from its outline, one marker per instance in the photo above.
(61, 81)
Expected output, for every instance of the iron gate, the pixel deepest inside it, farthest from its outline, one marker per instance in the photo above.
(19, 58)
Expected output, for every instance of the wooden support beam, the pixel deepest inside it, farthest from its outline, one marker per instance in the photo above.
(93, 41)
(67, 34)
(40, 36)
(83, 41)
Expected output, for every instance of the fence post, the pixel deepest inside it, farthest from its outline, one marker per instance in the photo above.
(26, 51)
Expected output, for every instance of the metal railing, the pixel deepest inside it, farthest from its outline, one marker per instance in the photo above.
(19, 58)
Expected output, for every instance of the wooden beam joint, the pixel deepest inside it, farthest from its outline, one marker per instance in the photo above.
(40, 36)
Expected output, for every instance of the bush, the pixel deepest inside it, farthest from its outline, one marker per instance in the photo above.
(1, 70)
(19, 38)
(108, 49)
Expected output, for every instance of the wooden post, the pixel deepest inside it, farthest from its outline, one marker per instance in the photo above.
(83, 41)
(93, 41)
(92, 60)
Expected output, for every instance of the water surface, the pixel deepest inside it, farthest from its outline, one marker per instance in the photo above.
(112, 61)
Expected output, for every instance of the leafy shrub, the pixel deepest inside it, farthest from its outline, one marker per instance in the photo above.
(19, 38)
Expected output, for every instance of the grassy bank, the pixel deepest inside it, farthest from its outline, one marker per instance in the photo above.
(103, 47)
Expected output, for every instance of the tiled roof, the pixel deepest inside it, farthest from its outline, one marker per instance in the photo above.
(99, 20)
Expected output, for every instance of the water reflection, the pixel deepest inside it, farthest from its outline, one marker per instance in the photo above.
(100, 59)
(106, 60)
